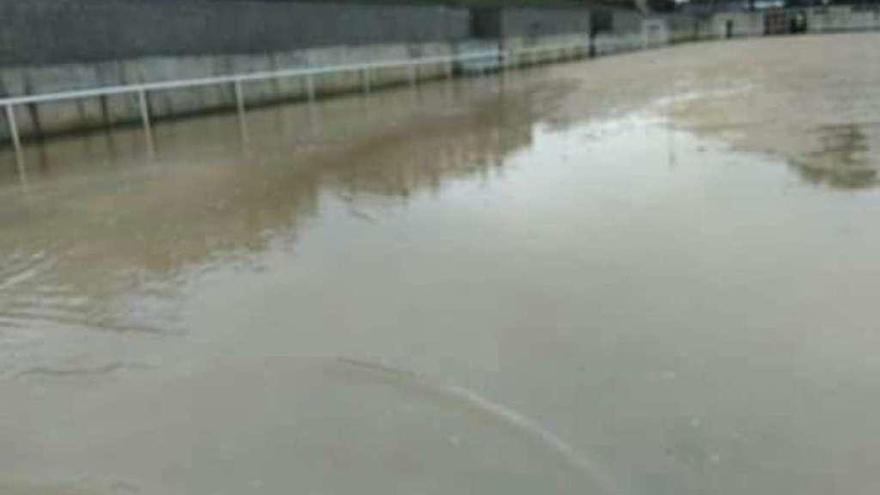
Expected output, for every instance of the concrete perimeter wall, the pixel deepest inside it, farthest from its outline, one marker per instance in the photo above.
(740, 24)
(63, 31)
(629, 31)
(56, 117)
(534, 22)
(525, 22)
(840, 19)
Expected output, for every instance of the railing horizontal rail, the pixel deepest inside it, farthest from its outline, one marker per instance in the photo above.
(500, 58)
(268, 75)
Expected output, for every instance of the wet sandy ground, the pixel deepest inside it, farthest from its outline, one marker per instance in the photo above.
(648, 274)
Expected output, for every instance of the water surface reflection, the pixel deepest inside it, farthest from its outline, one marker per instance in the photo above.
(581, 267)
(846, 156)
(104, 230)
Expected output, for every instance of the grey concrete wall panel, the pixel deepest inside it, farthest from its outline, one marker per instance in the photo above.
(534, 22)
(34, 32)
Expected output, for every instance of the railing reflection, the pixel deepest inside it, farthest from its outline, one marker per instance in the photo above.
(115, 221)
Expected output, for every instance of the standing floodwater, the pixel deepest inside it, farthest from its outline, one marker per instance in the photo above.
(649, 274)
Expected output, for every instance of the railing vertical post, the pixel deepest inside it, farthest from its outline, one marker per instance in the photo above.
(239, 105)
(310, 87)
(145, 118)
(16, 139)
(239, 97)
(509, 56)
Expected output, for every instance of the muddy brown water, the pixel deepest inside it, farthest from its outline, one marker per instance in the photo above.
(649, 274)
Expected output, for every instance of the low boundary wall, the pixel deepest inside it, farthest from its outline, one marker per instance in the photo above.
(35, 119)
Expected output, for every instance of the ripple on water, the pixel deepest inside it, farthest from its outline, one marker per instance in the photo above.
(51, 328)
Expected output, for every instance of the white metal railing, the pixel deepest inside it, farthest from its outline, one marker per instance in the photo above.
(506, 58)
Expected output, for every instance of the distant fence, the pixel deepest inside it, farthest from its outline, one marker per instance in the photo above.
(466, 62)
(38, 101)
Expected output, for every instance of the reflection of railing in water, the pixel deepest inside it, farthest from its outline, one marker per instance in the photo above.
(494, 59)
(389, 155)
(201, 211)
